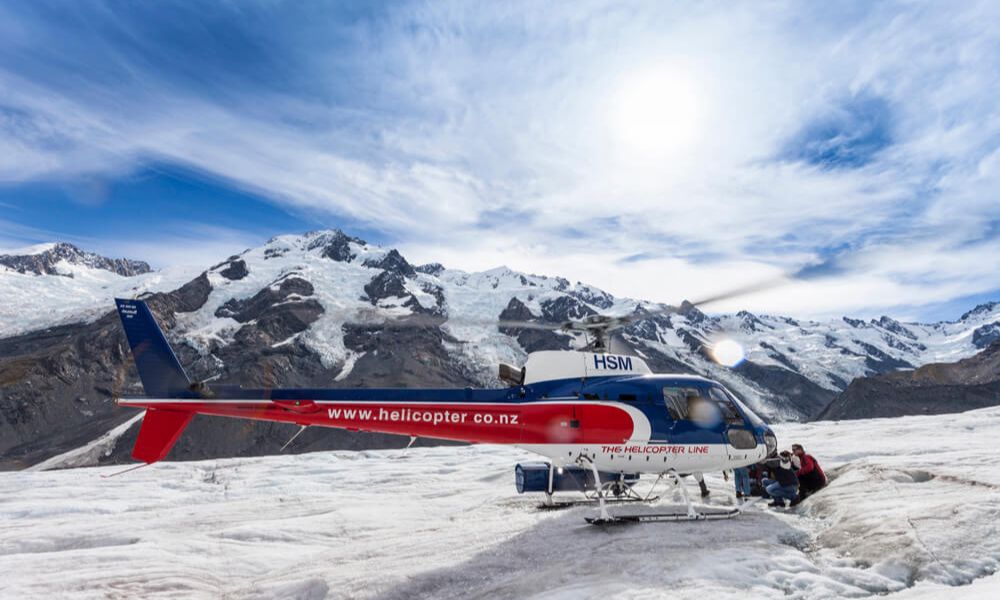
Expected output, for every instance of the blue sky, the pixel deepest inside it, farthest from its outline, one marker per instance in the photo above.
(657, 150)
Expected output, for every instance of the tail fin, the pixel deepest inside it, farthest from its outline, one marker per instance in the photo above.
(161, 374)
(158, 433)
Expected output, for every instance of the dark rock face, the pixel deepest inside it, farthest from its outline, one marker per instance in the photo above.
(335, 245)
(979, 310)
(253, 308)
(273, 315)
(393, 262)
(696, 316)
(236, 270)
(565, 308)
(531, 340)
(386, 284)
(598, 298)
(434, 269)
(879, 361)
(391, 284)
(896, 327)
(800, 394)
(57, 385)
(983, 336)
(931, 389)
(44, 263)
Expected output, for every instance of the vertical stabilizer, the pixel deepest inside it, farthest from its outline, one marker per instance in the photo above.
(161, 374)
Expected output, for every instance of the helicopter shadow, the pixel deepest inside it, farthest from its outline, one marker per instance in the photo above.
(564, 555)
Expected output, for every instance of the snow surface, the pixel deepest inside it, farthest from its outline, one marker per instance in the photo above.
(29, 302)
(912, 510)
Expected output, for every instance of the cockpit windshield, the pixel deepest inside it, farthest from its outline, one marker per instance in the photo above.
(754, 419)
(729, 411)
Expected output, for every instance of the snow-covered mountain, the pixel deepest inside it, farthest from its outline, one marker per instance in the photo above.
(56, 283)
(911, 512)
(313, 309)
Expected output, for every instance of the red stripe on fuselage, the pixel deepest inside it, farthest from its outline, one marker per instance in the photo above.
(524, 423)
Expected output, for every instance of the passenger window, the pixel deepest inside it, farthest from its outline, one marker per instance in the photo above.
(627, 397)
(729, 411)
(676, 400)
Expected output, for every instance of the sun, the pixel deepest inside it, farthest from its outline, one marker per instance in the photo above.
(656, 113)
(728, 352)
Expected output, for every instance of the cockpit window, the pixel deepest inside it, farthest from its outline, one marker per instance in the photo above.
(730, 413)
(755, 420)
(677, 399)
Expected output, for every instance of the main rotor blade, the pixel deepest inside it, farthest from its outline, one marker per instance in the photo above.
(745, 290)
(431, 320)
(594, 322)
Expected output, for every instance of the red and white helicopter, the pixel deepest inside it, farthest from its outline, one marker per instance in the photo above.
(600, 419)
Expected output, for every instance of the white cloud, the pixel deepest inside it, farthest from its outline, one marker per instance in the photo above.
(480, 135)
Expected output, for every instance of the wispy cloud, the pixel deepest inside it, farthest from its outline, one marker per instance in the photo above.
(860, 139)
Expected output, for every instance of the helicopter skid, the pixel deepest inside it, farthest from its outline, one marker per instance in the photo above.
(561, 504)
(715, 515)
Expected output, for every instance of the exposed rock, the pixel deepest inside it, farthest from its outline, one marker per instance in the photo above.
(57, 384)
(532, 340)
(386, 284)
(565, 308)
(45, 263)
(799, 394)
(695, 316)
(983, 336)
(931, 389)
(598, 298)
(393, 262)
(236, 270)
(254, 307)
(896, 327)
(335, 245)
(434, 269)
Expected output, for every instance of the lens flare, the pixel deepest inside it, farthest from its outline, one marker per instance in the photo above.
(728, 353)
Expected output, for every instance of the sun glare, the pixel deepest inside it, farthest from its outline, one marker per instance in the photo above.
(655, 113)
(728, 353)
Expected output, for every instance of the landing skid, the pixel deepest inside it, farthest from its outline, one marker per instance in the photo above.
(560, 504)
(690, 514)
(713, 515)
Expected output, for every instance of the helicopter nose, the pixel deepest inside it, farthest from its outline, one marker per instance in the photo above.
(770, 441)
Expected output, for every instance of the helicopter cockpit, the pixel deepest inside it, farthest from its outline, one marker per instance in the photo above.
(700, 405)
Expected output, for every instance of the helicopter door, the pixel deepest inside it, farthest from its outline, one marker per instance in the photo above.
(690, 411)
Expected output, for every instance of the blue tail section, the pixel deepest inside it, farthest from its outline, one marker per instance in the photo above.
(161, 374)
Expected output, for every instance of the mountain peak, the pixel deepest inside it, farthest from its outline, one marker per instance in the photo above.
(45, 259)
(981, 309)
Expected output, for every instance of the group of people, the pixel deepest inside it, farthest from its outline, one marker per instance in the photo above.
(790, 476)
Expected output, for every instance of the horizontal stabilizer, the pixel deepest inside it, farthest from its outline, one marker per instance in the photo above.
(158, 433)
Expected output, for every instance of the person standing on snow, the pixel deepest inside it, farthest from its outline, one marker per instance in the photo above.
(741, 476)
(785, 485)
(811, 476)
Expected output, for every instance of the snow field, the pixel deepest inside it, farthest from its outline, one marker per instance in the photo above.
(912, 507)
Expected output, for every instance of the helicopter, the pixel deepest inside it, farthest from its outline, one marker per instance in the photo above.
(600, 419)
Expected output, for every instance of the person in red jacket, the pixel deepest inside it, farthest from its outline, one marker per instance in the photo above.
(811, 476)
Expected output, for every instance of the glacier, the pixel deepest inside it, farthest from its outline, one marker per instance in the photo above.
(912, 511)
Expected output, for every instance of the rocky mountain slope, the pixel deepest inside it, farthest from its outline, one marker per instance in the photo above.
(932, 389)
(53, 259)
(327, 309)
